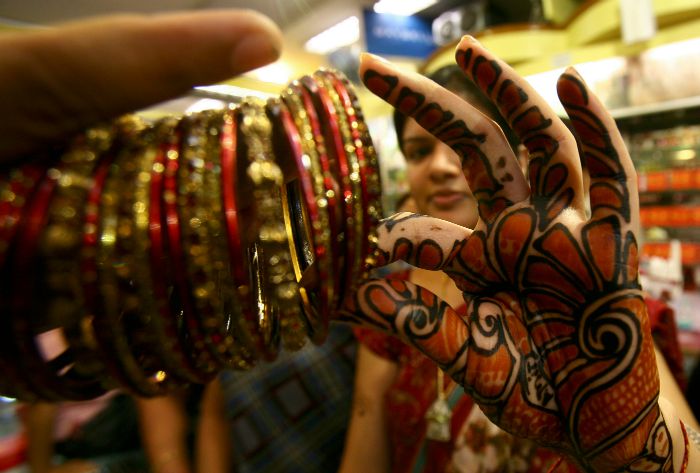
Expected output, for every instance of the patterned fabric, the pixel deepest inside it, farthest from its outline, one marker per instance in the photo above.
(476, 444)
(291, 415)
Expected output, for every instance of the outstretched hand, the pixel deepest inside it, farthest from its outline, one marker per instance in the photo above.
(555, 345)
(58, 81)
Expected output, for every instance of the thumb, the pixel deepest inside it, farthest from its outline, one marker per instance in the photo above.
(59, 80)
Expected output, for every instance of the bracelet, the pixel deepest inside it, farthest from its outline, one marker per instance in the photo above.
(138, 245)
(308, 164)
(245, 331)
(350, 166)
(300, 211)
(233, 351)
(366, 173)
(171, 331)
(279, 287)
(117, 325)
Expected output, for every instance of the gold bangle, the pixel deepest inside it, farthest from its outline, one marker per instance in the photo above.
(322, 295)
(113, 330)
(280, 287)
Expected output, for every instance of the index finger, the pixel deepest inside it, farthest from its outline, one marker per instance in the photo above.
(57, 81)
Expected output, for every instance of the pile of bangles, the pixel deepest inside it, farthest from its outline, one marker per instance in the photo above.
(158, 254)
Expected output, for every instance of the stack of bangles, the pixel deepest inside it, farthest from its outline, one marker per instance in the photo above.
(152, 255)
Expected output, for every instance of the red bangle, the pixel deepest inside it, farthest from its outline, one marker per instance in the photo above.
(203, 360)
(250, 335)
(354, 219)
(338, 168)
(21, 185)
(335, 217)
(50, 382)
(118, 326)
(369, 166)
(301, 216)
(166, 309)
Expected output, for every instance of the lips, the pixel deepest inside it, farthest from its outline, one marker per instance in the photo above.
(447, 198)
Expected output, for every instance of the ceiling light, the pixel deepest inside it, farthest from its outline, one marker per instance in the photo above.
(342, 34)
(402, 7)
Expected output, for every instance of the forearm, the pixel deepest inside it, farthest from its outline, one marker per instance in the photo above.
(683, 448)
(213, 436)
(163, 432)
(40, 423)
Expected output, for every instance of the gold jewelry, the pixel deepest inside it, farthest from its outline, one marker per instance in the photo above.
(439, 414)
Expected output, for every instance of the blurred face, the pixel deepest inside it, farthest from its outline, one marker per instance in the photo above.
(435, 177)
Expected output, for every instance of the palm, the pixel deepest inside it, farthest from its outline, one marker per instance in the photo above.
(555, 345)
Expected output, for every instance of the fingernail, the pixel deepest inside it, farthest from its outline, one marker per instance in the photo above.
(470, 38)
(367, 56)
(572, 70)
(255, 51)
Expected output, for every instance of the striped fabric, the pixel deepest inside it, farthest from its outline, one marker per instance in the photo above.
(291, 415)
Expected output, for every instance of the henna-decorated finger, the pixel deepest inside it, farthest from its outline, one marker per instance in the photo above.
(613, 187)
(554, 169)
(419, 240)
(412, 313)
(487, 350)
(488, 162)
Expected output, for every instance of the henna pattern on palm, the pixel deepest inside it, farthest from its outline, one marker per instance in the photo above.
(556, 344)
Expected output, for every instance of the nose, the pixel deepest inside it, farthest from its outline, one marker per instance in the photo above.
(444, 163)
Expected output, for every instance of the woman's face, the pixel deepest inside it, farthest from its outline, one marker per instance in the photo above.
(435, 177)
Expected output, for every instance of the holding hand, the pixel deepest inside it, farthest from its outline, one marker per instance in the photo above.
(58, 81)
(556, 345)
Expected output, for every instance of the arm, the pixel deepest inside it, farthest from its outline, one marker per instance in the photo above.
(367, 443)
(163, 433)
(40, 422)
(555, 345)
(212, 444)
(672, 392)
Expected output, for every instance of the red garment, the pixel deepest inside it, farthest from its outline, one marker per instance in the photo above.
(665, 333)
(407, 401)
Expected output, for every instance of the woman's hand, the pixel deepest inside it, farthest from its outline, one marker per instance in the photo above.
(556, 345)
(57, 81)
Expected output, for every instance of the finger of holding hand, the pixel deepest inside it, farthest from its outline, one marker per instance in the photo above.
(57, 81)
(415, 315)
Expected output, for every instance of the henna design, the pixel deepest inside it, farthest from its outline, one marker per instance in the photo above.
(609, 188)
(452, 131)
(381, 84)
(551, 192)
(556, 343)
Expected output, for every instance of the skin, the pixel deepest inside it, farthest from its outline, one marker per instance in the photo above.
(556, 345)
(434, 174)
(62, 81)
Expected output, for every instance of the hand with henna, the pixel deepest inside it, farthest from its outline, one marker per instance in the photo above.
(556, 344)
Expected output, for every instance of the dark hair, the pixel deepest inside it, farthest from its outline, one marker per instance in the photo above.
(453, 79)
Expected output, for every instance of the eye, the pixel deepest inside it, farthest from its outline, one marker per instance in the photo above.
(416, 152)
